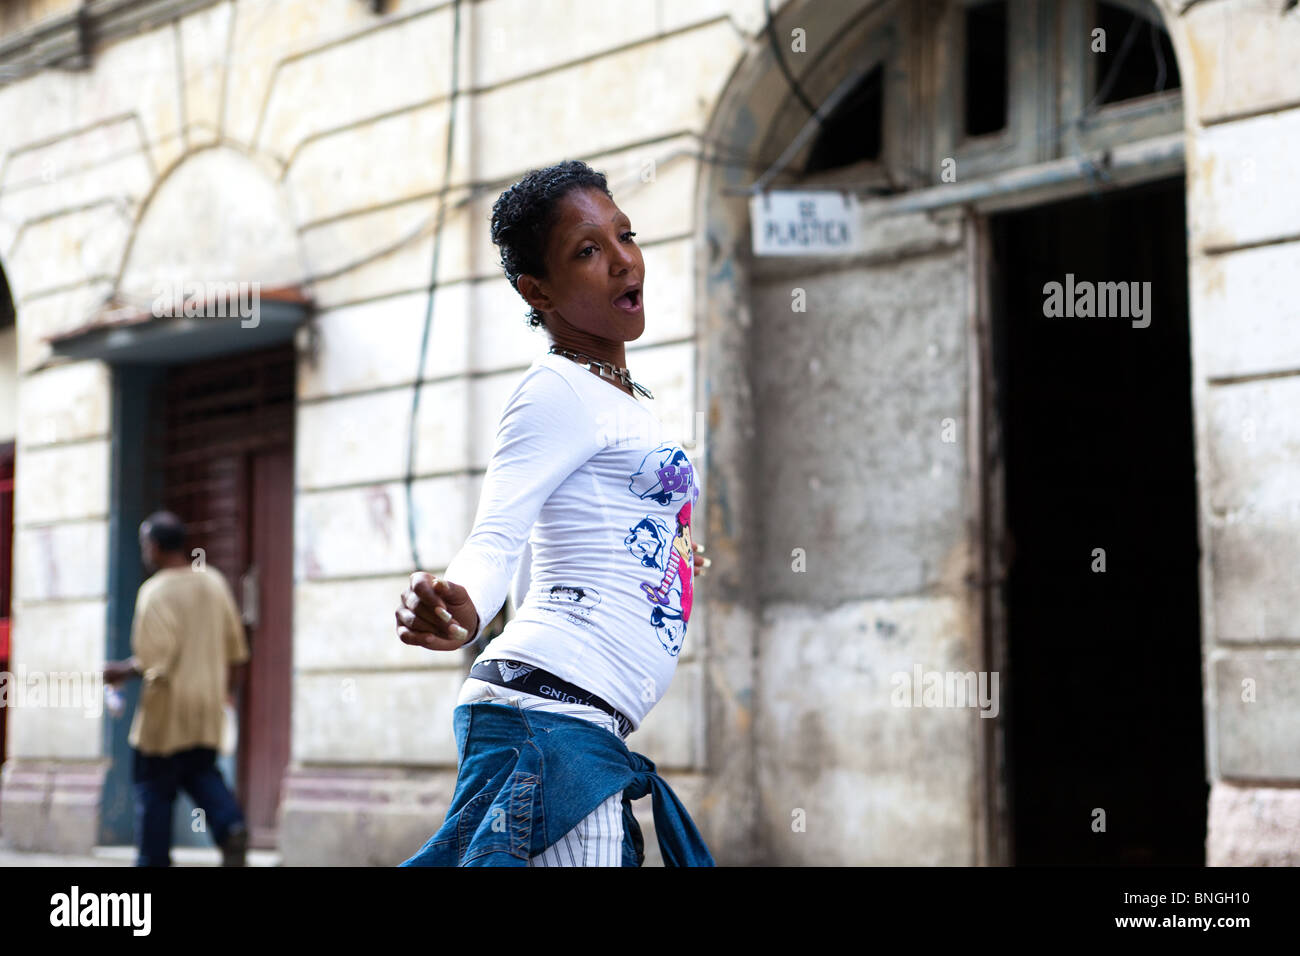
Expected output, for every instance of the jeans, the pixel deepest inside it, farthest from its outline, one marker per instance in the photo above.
(156, 782)
(598, 839)
(527, 777)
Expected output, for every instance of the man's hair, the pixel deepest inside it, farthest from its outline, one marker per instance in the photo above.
(165, 530)
(523, 216)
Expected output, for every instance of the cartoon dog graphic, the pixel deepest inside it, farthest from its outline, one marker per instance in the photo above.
(678, 571)
(670, 627)
(666, 477)
(648, 539)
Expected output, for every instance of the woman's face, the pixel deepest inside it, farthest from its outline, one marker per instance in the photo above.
(591, 260)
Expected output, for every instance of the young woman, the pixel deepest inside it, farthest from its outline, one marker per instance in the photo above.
(584, 499)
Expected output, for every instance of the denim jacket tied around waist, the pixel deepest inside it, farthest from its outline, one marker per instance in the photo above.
(526, 778)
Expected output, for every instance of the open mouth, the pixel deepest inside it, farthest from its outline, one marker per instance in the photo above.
(629, 301)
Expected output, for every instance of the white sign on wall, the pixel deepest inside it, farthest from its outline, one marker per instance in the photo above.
(804, 223)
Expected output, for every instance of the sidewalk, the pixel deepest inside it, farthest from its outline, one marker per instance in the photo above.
(125, 856)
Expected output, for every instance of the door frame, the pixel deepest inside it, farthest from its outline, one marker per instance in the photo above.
(137, 489)
(988, 574)
(991, 557)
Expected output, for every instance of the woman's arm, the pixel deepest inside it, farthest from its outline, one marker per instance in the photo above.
(544, 435)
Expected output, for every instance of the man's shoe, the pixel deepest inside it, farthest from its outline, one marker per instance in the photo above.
(235, 847)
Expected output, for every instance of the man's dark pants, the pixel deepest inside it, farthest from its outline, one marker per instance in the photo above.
(156, 782)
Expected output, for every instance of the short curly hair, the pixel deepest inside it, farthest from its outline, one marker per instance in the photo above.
(523, 216)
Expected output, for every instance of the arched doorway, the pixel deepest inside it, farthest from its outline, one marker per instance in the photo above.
(870, 434)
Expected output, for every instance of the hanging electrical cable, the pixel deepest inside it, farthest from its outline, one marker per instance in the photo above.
(770, 29)
(433, 281)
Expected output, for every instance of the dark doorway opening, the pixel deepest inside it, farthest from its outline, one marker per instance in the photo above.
(1103, 708)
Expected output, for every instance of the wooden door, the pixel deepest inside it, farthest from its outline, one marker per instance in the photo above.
(228, 473)
(265, 756)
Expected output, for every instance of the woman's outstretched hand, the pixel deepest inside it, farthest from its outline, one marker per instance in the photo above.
(701, 562)
(436, 614)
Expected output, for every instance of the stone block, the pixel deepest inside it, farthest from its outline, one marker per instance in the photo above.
(398, 718)
(51, 807)
(55, 561)
(62, 482)
(871, 433)
(267, 34)
(514, 38)
(68, 248)
(1252, 826)
(1254, 588)
(59, 646)
(1238, 57)
(1256, 712)
(386, 252)
(364, 438)
(1241, 183)
(372, 164)
(1253, 443)
(65, 403)
(363, 530)
(334, 816)
(673, 81)
(346, 624)
(852, 771)
(318, 90)
(1245, 322)
(488, 397)
(377, 343)
(248, 232)
(500, 337)
(204, 48)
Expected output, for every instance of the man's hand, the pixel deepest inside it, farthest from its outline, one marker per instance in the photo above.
(115, 672)
(436, 614)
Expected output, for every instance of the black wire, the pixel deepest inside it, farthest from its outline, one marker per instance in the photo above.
(1158, 49)
(770, 30)
(1112, 73)
(433, 283)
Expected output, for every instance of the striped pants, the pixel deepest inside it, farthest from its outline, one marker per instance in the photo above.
(598, 839)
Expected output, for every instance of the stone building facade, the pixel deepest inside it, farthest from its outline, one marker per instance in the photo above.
(344, 156)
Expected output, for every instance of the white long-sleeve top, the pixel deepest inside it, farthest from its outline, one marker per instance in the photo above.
(583, 477)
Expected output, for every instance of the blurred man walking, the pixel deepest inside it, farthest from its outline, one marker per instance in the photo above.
(187, 642)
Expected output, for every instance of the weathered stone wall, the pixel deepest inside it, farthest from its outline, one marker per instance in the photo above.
(338, 117)
(853, 471)
(841, 510)
(1243, 125)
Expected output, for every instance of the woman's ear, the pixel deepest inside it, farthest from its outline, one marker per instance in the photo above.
(531, 290)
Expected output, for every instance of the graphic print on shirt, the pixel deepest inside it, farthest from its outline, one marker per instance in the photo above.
(512, 669)
(574, 602)
(665, 477)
